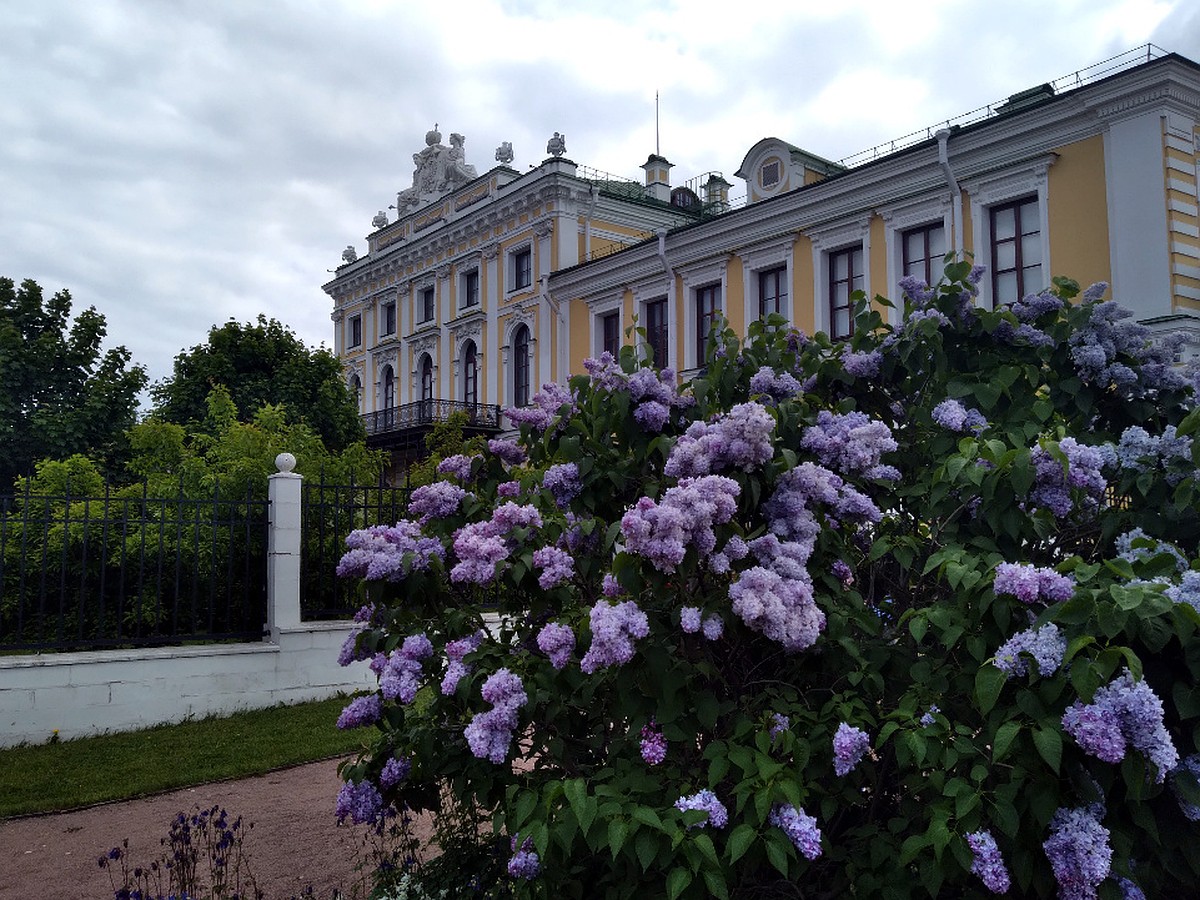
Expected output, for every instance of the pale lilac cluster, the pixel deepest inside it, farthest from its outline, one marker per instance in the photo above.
(614, 629)
(1129, 890)
(653, 744)
(609, 586)
(735, 548)
(361, 711)
(1046, 645)
(605, 372)
(1053, 488)
(842, 572)
(1107, 336)
(800, 828)
(706, 801)
(916, 290)
(1123, 711)
(953, 416)
(779, 607)
(481, 545)
(563, 483)
(557, 566)
(361, 803)
(740, 439)
(458, 465)
(776, 386)
(525, 862)
(1078, 851)
(655, 396)
(988, 863)
(1030, 583)
(490, 733)
(1026, 333)
(779, 724)
(790, 513)
(1140, 451)
(351, 650)
(850, 443)
(689, 619)
(508, 489)
(544, 409)
(394, 771)
(927, 718)
(662, 532)
(401, 677)
(1034, 306)
(377, 553)
(713, 627)
(508, 451)
(1187, 591)
(1136, 545)
(557, 642)
(862, 365)
(456, 652)
(435, 501)
(1190, 765)
(850, 744)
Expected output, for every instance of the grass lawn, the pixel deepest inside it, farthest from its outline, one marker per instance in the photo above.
(70, 774)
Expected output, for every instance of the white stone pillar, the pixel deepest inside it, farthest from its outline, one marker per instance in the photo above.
(283, 547)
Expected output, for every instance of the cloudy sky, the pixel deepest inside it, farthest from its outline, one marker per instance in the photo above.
(180, 163)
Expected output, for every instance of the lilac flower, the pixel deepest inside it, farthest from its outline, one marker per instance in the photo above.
(689, 619)
(843, 573)
(609, 586)
(862, 365)
(435, 501)
(556, 641)
(1098, 347)
(1129, 890)
(712, 627)
(927, 718)
(546, 408)
(394, 771)
(777, 387)
(706, 800)
(351, 650)
(562, 481)
(1053, 488)
(1123, 711)
(361, 711)
(458, 465)
(605, 372)
(1034, 306)
(662, 532)
(653, 744)
(508, 489)
(480, 546)
(916, 290)
(456, 669)
(849, 746)
(1135, 545)
(780, 608)
(1046, 645)
(508, 450)
(651, 416)
(1191, 766)
(524, 863)
(360, 802)
(953, 416)
(401, 675)
(988, 864)
(1078, 852)
(740, 439)
(378, 553)
(557, 566)
(614, 628)
(1029, 583)
(800, 828)
(779, 724)
(489, 734)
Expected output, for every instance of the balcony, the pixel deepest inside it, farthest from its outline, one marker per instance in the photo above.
(402, 429)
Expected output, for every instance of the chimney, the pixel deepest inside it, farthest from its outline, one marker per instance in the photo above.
(658, 178)
(716, 193)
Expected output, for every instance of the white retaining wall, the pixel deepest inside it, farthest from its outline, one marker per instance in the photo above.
(92, 692)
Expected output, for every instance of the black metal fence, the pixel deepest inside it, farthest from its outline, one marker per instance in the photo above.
(428, 412)
(126, 569)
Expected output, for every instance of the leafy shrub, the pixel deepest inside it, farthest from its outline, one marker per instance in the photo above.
(906, 616)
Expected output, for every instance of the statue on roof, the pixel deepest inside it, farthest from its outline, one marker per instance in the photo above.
(439, 170)
(504, 153)
(557, 145)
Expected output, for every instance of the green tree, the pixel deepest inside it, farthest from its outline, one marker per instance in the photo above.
(261, 363)
(59, 395)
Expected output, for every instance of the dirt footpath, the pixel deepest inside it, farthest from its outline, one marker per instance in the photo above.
(294, 843)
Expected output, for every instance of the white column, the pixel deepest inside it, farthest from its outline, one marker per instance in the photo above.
(283, 548)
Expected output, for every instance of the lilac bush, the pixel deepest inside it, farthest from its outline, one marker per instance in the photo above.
(910, 615)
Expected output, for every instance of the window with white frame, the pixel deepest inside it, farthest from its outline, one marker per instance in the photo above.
(469, 289)
(354, 326)
(772, 292)
(708, 309)
(470, 376)
(845, 277)
(610, 332)
(1016, 250)
(387, 318)
(521, 369)
(657, 336)
(520, 267)
(923, 251)
(426, 303)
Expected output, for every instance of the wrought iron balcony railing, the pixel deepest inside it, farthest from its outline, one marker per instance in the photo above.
(426, 413)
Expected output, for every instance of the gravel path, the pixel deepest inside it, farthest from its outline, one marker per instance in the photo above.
(294, 843)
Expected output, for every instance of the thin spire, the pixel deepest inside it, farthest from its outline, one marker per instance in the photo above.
(656, 148)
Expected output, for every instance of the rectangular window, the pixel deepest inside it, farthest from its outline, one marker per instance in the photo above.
(1016, 250)
(389, 319)
(656, 332)
(610, 333)
(845, 277)
(708, 306)
(772, 292)
(356, 331)
(522, 268)
(427, 303)
(924, 250)
(470, 288)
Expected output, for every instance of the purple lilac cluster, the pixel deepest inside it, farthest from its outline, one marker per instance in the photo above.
(849, 443)
(1136, 545)
(653, 744)
(850, 744)
(525, 862)
(712, 627)
(1123, 711)
(1191, 766)
(735, 548)
(655, 396)
(1030, 583)
(544, 409)
(953, 416)
(1053, 487)
(351, 650)
(1078, 851)
(1034, 306)
(776, 386)
(1129, 890)
(1026, 334)
(1187, 591)
(779, 724)
(614, 629)
(842, 572)
(458, 465)
(800, 828)
(916, 291)
(1046, 645)
(557, 566)
(705, 801)
(557, 642)
(361, 803)
(508, 451)
(377, 553)
(481, 545)
(927, 718)
(361, 711)
(988, 863)
(456, 669)
(739, 439)
(490, 733)
(781, 608)
(509, 490)
(401, 675)
(1107, 336)
(689, 619)
(605, 372)
(563, 483)
(862, 365)
(1140, 451)
(662, 532)
(394, 771)
(789, 510)
(435, 501)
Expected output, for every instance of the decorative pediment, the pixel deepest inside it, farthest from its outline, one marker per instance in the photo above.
(439, 171)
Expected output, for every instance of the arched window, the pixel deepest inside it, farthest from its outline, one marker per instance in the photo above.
(470, 376)
(356, 391)
(426, 388)
(520, 367)
(389, 396)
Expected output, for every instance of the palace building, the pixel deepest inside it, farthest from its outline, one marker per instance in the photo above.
(486, 286)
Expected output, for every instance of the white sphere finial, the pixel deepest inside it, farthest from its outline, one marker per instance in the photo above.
(285, 462)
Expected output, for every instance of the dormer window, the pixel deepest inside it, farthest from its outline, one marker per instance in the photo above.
(770, 173)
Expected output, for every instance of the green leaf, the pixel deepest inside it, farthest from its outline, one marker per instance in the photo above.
(739, 842)
(1050, 745)
(576, 791)
(716, 884)
(647, 816)
(618, 831)
(704, 842)
(918, 626)
(524, 808)
(988, 682)
(646, 845)
(1005, 735)
(677, 882)
(778, 857)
